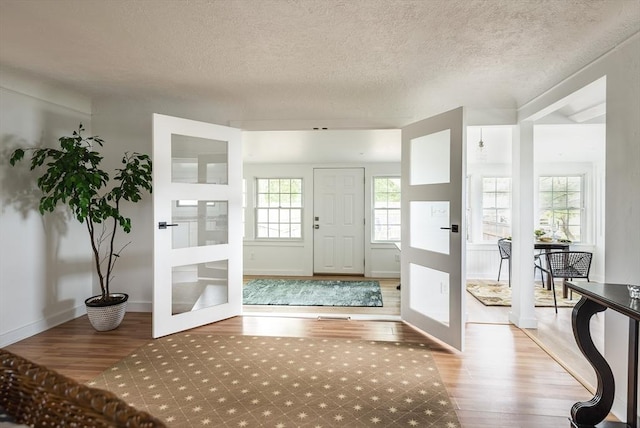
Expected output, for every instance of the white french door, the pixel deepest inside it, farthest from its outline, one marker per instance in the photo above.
(338, 221)
(433, 237)
(197, 204)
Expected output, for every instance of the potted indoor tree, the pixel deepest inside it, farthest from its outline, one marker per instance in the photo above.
(72, 176)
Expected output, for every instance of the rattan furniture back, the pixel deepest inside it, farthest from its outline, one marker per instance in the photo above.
(34, 395)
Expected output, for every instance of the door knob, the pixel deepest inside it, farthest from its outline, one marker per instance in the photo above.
(316, 226)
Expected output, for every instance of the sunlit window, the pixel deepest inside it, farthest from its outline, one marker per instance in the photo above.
(496, 208)
(561, 206)
(386, 209)
(279, 208)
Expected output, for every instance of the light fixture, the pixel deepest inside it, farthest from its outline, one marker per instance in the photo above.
(481, 154)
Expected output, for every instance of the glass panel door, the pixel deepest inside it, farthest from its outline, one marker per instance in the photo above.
(433, 242)
(198, 229)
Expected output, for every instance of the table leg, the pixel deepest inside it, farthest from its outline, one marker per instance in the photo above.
(632, 385)
(548, 281)
(595, 410)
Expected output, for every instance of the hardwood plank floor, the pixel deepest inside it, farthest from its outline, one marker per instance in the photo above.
(502, 380)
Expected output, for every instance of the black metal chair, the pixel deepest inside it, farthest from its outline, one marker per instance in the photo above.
(568, 265)
(504, 247)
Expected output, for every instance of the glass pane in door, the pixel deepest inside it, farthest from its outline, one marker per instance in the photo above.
(429, 292)
(199, 223)
(429, 225)
(199, 286)
(430, 158)
(198, 160)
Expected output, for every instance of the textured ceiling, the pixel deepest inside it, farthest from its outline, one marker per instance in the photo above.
(342, 63)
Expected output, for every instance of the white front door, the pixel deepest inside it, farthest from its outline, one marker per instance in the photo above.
(433, 233)
(197, 204)
(338, 221)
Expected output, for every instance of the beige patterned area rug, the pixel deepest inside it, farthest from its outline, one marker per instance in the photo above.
(192, 380)
(492, 293)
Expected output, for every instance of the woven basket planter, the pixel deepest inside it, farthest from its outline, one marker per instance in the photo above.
(105, 316)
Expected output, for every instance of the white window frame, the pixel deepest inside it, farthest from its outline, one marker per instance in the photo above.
(278, 209)
(374, 225)
(581, 209)
(510, 207)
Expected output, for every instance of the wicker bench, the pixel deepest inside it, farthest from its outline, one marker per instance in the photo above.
(34, 395)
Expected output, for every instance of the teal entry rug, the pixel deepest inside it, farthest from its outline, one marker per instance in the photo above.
(292, 292)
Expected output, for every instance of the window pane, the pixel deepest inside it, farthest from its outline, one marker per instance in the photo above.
(386, 207)
(545, 183)
(263, 200)
(263, 230)
(296, 230)
(380, 217)
(546, 199)
(489, 200)
(296, 216)
(559, 183)
(274, 186)
(573, 199)
(503, 185)
(503, 216)
(489, 216)
(278, 194)
(489, 184)
(574, 183)
(496, 204)
(503, 200)
(561, 201)
(394, 217)
(393, 233)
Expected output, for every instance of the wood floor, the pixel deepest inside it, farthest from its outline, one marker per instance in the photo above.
(503, 379)
(554, 333)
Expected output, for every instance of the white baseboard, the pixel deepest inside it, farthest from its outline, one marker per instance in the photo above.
(39, 326)
(385, 274)
(139, 306)
(276, 272)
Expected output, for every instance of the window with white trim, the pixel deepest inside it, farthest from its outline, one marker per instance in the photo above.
(279, 208)
(561, 206)
(386, 209)
(496, 208)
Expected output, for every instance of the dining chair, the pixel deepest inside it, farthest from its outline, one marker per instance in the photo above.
(568, 265)
(504, 247)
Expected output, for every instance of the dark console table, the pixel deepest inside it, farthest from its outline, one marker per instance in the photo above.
(596, 298)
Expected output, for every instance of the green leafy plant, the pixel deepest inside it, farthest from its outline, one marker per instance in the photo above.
(72, 176)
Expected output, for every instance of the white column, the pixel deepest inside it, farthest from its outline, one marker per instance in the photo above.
(523, 304)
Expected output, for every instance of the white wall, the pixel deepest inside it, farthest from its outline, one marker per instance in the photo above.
(295, 258)
(46, 267)
(622, 197)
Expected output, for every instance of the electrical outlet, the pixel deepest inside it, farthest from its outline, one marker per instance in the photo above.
(252, 256)
(397, 258)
